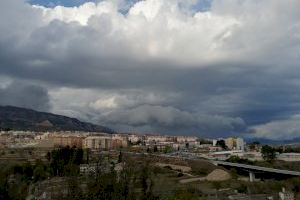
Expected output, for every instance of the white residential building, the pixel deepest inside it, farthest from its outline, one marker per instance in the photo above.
(240, 144)
(134, 138)
(186, 139)
(215, 142)
(156, 138)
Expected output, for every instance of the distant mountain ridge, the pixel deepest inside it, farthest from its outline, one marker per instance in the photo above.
(274, 142)
(17, 118)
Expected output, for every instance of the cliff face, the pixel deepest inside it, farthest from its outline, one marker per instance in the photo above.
(16, 118)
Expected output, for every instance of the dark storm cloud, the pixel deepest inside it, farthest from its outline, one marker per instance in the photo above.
(170, 120)
(159, 67)
(25, 95)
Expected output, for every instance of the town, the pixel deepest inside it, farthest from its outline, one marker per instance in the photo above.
(190, 146)
(193, 160)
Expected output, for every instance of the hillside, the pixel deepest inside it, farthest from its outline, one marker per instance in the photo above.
(16, 118)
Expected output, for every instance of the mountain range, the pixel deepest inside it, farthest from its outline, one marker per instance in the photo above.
(273, 142)
(16, 118)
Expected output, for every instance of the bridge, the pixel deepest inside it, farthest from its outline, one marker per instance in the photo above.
(252, 169)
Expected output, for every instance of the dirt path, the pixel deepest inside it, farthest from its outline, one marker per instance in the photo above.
(189, 180)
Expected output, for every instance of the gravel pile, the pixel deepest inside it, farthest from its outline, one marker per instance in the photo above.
(218, 175)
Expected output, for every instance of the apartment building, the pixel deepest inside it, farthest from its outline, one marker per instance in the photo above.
(67, 140)
(97, 142)
(235, 143)
(186, 139)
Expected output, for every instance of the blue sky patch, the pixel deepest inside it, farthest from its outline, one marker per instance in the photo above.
(53, 3)
(202, 5)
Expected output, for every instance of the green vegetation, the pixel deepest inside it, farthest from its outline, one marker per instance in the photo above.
(15, 178)
(125, 177)
(185, 194)
(66, 161)
(254, 145)
(236, 159)
(221, 143)
(204, 141)
(168, 149)
(133, 182)
(268, 153)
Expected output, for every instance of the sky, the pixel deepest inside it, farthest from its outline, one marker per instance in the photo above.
(210, 68)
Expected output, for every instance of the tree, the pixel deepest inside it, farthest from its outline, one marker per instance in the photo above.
(221, 143)
(187, 145)
(204, 141)
(168, 149)
(147, 183)
(120, 159)
(4, 184)
(254, 145)
(48, 156)
(40, 171)
(268, 153)
(237, 159)
(66, 161)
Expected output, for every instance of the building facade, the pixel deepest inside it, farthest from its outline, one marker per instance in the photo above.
(97, 142)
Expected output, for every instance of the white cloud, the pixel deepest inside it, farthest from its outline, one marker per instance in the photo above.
(154, 30)
(5, 82)
(79, 14)
(104, 103)
(238, 56)
(286, 129)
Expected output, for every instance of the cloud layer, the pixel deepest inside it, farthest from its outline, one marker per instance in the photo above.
(157, 65)
(25, 95)
(287, 129)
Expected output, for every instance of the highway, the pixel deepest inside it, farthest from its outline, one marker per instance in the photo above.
(237, 165)
(257, 168)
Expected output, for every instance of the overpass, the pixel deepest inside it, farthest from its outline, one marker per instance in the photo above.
(252, 169)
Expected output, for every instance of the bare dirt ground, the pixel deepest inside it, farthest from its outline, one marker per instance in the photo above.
(216, 175)
(175, 167)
